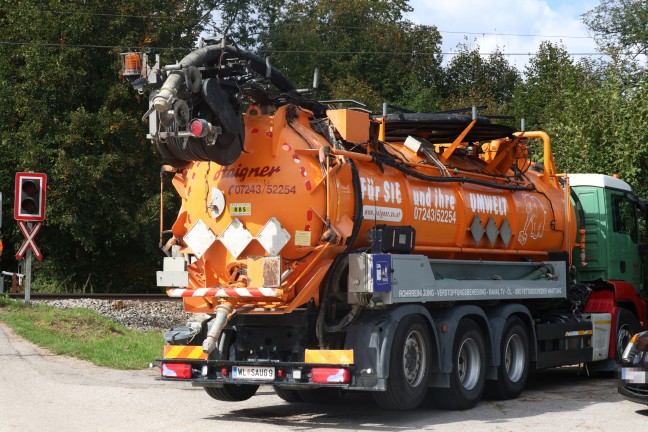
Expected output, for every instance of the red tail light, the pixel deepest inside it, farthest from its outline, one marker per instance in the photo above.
(327, 375)
(176, 370)
(199, 128)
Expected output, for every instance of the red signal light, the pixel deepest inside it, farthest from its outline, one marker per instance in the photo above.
(176, 370)
(199, 128)
(29, 204)
(328, 375)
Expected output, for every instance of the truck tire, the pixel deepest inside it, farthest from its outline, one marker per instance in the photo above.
(322, 395)
(513, 370)
(468, 376)
(287, 394)
(232, 392)
(626, 326)
(409, 366)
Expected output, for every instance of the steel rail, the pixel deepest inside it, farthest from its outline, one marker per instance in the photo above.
(96, 296)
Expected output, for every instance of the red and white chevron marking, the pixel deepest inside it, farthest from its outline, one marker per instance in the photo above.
(225, 292)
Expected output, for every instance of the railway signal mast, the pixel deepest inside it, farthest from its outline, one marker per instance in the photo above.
(29, 212)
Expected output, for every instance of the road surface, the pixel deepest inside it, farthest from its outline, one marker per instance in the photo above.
(44, 392)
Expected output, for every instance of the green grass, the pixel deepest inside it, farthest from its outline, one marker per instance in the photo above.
(82, 333)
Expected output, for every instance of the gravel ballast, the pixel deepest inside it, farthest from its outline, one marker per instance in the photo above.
(135, 314)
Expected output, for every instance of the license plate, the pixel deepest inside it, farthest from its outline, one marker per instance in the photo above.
(633, 375)
(253, 373)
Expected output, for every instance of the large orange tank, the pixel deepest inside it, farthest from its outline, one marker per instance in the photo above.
(290, 195)
(278, 188)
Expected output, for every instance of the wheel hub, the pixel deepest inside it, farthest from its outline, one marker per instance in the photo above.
(468, 363)
(414, 359)
(514, 358)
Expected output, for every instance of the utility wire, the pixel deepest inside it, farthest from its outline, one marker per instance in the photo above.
(180, 17)
(514, 34)
(112, 15)
(408, 53)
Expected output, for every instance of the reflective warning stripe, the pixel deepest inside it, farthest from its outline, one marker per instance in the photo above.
(329, 356)
(184, 352)
(225, 292)
(605, 322)
(578, 333)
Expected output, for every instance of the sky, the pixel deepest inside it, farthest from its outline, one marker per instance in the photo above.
(492, 24)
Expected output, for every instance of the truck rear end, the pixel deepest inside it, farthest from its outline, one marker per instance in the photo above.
(326, 249)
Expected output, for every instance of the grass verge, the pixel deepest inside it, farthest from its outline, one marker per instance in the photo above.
(82, 333)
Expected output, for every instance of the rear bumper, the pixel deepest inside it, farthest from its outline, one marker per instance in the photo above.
(633, 383)
(294, 375)
(634, 392)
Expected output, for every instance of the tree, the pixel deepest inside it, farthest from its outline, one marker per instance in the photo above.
(620, 25)
(470, 79)
(364, 49)
(551, 79)
(67, 113)
(592, 111)
(602, 128)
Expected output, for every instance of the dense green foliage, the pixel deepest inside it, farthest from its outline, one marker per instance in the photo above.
(620, 25)
(66, 112)
(472, 79)
(364, 49)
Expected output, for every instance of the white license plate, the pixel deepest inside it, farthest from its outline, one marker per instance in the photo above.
(253, 373)
(633, 376)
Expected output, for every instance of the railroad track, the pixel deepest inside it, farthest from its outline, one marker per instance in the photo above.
(97, 296)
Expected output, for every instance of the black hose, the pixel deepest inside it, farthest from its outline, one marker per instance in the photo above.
(406, 170)
(579, 208)
(212, 54)
(221, 107)
(357, 208)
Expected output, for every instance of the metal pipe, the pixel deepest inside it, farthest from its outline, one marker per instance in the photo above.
(223, 313)
(548, 162)
(165, 168)
(210, 54)
(336, 152)
(478, 250)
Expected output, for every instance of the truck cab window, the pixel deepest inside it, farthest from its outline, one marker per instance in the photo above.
(625, 217)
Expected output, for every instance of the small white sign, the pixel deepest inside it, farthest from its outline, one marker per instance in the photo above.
(302, 238)
(199, 238)
(386, 214)
(240, 209)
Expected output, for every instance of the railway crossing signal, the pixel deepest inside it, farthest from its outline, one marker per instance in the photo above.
(29, 212)
(29, 203)
(29, 242)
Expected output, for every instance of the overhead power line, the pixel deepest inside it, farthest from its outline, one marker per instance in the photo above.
(514, 34)
(112, 15)
(66, 45)
(410, 53)
(181, 17)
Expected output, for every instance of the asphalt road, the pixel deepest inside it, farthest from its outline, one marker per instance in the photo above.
(43, 392)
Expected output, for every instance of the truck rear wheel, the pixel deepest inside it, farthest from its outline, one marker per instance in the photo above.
(232, 392)
(626, 327)
(409, 364)
(468, 376)
(287, 394)
(513, 370)
(322, 395)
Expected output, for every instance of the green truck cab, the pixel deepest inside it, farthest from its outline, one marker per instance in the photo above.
(615, 227)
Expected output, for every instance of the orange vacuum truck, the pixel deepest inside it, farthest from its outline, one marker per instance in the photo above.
(326, 250)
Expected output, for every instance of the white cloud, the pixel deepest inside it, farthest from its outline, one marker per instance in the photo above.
(497, 22)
